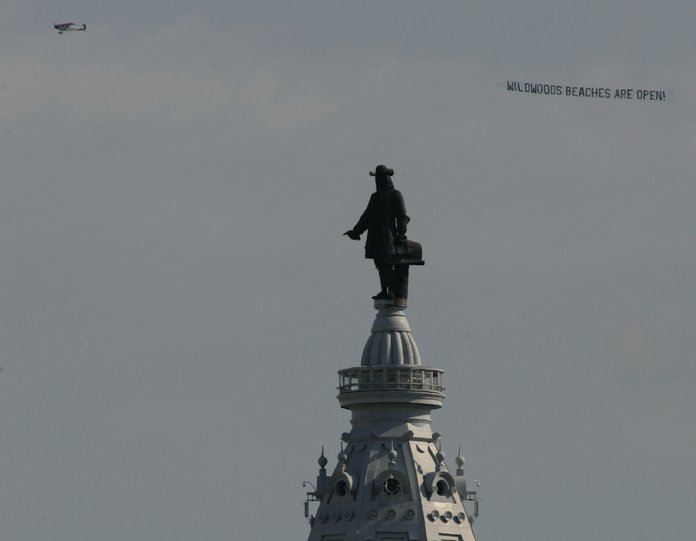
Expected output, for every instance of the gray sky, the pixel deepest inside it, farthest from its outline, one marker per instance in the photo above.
(177, 297)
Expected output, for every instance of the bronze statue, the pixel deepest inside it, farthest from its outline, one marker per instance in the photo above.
(385, 221)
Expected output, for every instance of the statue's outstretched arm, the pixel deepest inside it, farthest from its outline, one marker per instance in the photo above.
(361, 226)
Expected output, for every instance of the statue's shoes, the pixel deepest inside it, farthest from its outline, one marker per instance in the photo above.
(383, 295)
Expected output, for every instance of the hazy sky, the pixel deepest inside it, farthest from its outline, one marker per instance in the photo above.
(177, 297)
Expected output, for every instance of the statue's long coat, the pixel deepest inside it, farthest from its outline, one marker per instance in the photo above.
(384, 218)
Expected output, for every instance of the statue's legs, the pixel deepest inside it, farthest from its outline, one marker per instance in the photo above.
(386, 280)
(400, 282)
(393, 280)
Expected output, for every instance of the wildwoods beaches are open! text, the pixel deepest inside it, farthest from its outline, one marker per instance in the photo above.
(587, 91)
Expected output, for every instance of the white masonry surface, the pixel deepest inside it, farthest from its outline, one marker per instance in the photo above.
(391, 482)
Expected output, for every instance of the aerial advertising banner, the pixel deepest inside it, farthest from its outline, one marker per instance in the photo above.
(606, 93)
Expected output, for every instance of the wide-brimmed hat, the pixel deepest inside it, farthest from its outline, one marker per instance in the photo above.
(382, 170)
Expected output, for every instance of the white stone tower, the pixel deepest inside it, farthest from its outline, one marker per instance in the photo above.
(391, 482)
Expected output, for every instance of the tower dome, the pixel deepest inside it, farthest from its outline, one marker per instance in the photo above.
(391, 481)
(391, 341)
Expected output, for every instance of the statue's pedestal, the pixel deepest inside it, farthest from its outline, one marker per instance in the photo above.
(398, 302)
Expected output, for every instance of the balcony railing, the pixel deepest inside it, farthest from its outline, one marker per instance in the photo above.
(390, 378)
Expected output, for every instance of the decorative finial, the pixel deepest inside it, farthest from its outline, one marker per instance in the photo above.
(342, 456)
(322, 459)
(392, 454)
(440, 456)
(459, 460)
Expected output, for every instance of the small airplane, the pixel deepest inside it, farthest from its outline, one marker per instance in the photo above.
(69, 27)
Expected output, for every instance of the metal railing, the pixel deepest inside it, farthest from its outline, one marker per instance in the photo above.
(380, 377)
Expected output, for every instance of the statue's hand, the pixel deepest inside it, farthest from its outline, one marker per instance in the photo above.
(352, 235)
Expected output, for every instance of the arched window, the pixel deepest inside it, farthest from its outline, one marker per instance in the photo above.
(439, 486)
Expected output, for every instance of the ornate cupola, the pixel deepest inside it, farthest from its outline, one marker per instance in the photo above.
(391, 481)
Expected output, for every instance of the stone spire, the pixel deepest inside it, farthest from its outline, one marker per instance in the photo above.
(391, 481)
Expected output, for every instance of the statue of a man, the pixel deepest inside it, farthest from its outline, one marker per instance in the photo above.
(385, 221)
